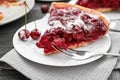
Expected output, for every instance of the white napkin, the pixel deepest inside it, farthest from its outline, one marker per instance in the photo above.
(97, 70)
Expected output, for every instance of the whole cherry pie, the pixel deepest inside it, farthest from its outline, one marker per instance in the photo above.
(72, 26)
(101, 5)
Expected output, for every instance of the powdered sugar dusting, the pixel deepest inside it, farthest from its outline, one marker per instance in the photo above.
(22, 34)
(67, 18)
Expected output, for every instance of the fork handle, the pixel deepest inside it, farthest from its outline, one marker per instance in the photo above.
(107, 54)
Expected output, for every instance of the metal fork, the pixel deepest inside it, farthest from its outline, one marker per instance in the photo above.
(82, 55)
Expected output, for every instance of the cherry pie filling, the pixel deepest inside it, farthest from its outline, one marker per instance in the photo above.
(94, 4)
(69, 27)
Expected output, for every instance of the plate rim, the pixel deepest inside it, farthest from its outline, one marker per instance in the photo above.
(57, 64)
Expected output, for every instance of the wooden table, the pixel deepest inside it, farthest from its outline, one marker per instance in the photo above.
(6, 34)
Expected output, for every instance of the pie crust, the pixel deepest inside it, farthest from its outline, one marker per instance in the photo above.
(107, 9)
(1, 16)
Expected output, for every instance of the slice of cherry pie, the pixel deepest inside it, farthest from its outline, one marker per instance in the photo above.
(101, 5)
(72, 26)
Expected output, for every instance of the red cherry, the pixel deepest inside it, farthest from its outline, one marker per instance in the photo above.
(44, 8)
(24, 34)
(35, 34)
(60, 42)
(75, 11)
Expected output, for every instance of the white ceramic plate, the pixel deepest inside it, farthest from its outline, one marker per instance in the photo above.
(14, 12)
(110, 15)
(29, 50)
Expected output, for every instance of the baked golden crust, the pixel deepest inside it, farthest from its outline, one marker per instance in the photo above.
(91, 11)
(107, 9)
(1, 16)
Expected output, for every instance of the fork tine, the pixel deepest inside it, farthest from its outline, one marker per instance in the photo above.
(81, 52)
(57, 48)
(61, 50)
(69, 54)
(70, 50)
